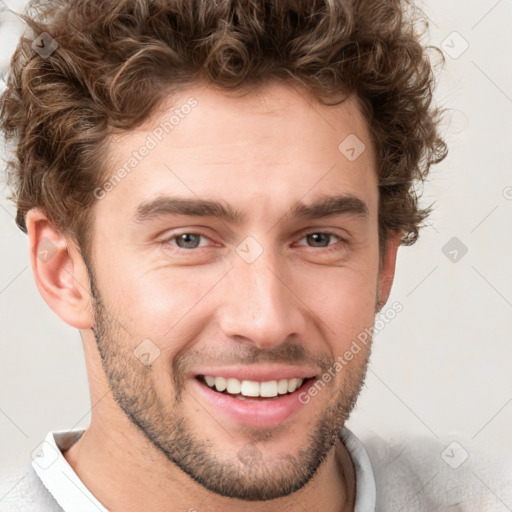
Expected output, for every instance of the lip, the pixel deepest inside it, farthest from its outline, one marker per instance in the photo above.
(260, 373)
(250, 413)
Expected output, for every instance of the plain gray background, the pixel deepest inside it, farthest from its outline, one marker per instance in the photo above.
(441, 368)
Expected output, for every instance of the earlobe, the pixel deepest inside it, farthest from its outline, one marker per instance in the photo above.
(387, 270)
(59, 271)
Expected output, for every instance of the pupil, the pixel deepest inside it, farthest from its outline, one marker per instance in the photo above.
(315, 238)
(190, 240)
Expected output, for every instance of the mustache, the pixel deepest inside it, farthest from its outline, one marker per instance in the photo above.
(290, 353)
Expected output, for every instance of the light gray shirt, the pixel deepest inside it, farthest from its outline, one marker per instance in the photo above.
(406, 474)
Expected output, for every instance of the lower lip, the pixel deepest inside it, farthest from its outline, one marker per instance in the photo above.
(254, 413)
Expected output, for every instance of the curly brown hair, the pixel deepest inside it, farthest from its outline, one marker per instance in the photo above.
(117, 61)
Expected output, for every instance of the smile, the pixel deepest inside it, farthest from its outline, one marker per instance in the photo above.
(252, 397)
(251, 388)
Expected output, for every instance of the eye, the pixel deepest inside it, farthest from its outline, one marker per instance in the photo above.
(314, 239)
(322, 239)
(187, 240)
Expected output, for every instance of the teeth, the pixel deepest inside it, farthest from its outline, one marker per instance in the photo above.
(251, 388)
(292, 385)
(220, 383)
(210, 381)
(233, 386)
(282, 386)
(268, 389)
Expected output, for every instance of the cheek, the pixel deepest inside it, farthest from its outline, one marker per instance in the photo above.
(346, 303)
(166, 307)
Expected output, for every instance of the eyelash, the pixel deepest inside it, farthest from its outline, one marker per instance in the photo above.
(329, 248)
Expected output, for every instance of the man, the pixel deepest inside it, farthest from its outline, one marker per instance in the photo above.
(214, 195)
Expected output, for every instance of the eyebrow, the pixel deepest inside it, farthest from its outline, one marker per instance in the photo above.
(324, 207)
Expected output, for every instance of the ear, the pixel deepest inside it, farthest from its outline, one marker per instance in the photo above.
(59, 271)
(387, 269)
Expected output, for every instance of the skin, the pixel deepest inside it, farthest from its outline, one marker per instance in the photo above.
(298, 304)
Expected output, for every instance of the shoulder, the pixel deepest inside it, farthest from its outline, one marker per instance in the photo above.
(428, 474)
(23, 491)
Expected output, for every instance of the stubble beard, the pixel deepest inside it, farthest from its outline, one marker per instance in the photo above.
(252, 478)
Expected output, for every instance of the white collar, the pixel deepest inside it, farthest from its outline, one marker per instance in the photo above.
(59, 477)
(366, 493)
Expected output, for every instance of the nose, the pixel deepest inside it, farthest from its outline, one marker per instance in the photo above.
(262, 304)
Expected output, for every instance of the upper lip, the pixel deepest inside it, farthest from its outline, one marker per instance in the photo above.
(259, 373)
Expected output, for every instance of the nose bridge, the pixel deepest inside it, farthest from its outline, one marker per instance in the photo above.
(259, 303)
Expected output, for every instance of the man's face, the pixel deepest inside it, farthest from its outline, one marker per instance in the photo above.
(271, 297)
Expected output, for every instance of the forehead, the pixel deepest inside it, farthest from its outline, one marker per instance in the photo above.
(261, 152)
